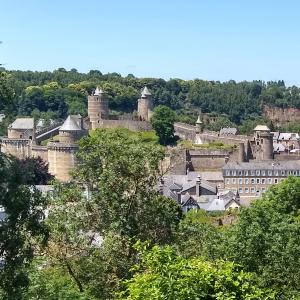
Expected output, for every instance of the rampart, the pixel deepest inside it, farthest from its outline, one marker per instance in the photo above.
(129, 124)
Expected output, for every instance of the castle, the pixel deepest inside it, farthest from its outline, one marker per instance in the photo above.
(23, 140)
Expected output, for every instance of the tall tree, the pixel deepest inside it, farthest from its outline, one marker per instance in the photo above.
(163, 123)
(21, 227)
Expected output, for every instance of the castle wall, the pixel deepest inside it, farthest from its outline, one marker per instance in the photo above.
(20, 148)
(40, 151)
(129, 124)
(61, 159)
(208, 159)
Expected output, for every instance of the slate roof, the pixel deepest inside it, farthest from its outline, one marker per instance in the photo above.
(210, 175)
(22, 123)
(288, 136)
(70, 124)
(277, 147)
(261, 128)
(229, 131)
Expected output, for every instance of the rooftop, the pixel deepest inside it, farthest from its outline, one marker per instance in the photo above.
(22, 123)
(145, 92)
(71, 124)
(261, 128)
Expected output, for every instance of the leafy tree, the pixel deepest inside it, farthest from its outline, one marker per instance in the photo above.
(266, 235)
(162, 274)
(33, 170)
(93, 241)
(21, 229)
(163, 123)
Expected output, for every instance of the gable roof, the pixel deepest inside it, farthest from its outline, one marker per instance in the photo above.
(22, 123)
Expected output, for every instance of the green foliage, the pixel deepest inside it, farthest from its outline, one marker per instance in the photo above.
(33, 170)
(21, 230)
(165, 275)
(267, 236)
(212, 145)
(163, 123)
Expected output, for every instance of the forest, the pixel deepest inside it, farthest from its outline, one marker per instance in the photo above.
(61, 92)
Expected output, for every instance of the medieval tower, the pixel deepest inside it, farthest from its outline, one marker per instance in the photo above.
(145, 105)
(263, 139)
(97, 107)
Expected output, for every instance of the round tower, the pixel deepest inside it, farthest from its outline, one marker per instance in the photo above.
(267, 145)
(145, 105)
(71, 130)
(97, 107)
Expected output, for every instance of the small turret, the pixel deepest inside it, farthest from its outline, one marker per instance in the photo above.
(145, 105)
(199, 130)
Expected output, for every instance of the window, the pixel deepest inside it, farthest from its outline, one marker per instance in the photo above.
(233, 180)
(246, 190)
(270, 172)
(252, 181)
(276, 173)
(252, 172)
(227, 172)
(227, 181)
(263, 181)
(240, 181)
(282, 173)
(269, 180)
(258, 180)
(257, 172)
(246, 181)
(241, 190)
(263, 173)
(252, 190)
(295, 172)
(246, 172)
(263, 190)
(275, 180)
(241, 173)
(234, 173)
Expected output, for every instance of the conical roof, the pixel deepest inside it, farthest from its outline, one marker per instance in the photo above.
(98, 91)
(70, 124)
(199, 120)
(146, 92)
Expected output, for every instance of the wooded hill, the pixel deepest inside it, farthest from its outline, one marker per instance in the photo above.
(61, 92)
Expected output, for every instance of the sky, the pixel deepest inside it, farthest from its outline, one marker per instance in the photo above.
(211, 40)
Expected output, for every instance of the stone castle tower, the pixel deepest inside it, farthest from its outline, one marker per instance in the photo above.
(263, 139)
(145, 105)
(97, 107)
(61, 154)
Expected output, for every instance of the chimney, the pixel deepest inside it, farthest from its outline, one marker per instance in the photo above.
(198, 186)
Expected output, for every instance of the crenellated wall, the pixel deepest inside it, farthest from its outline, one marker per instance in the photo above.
(20, 148)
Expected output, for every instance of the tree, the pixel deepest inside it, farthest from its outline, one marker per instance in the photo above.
(163, 123)
(21, 229)
(33, 170)
(93, 239)
(267, 236)
(162, 274)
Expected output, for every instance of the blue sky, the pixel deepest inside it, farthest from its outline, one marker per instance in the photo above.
(212, 39)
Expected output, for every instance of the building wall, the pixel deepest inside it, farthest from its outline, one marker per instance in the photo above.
(61, 159)
(20, 134)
